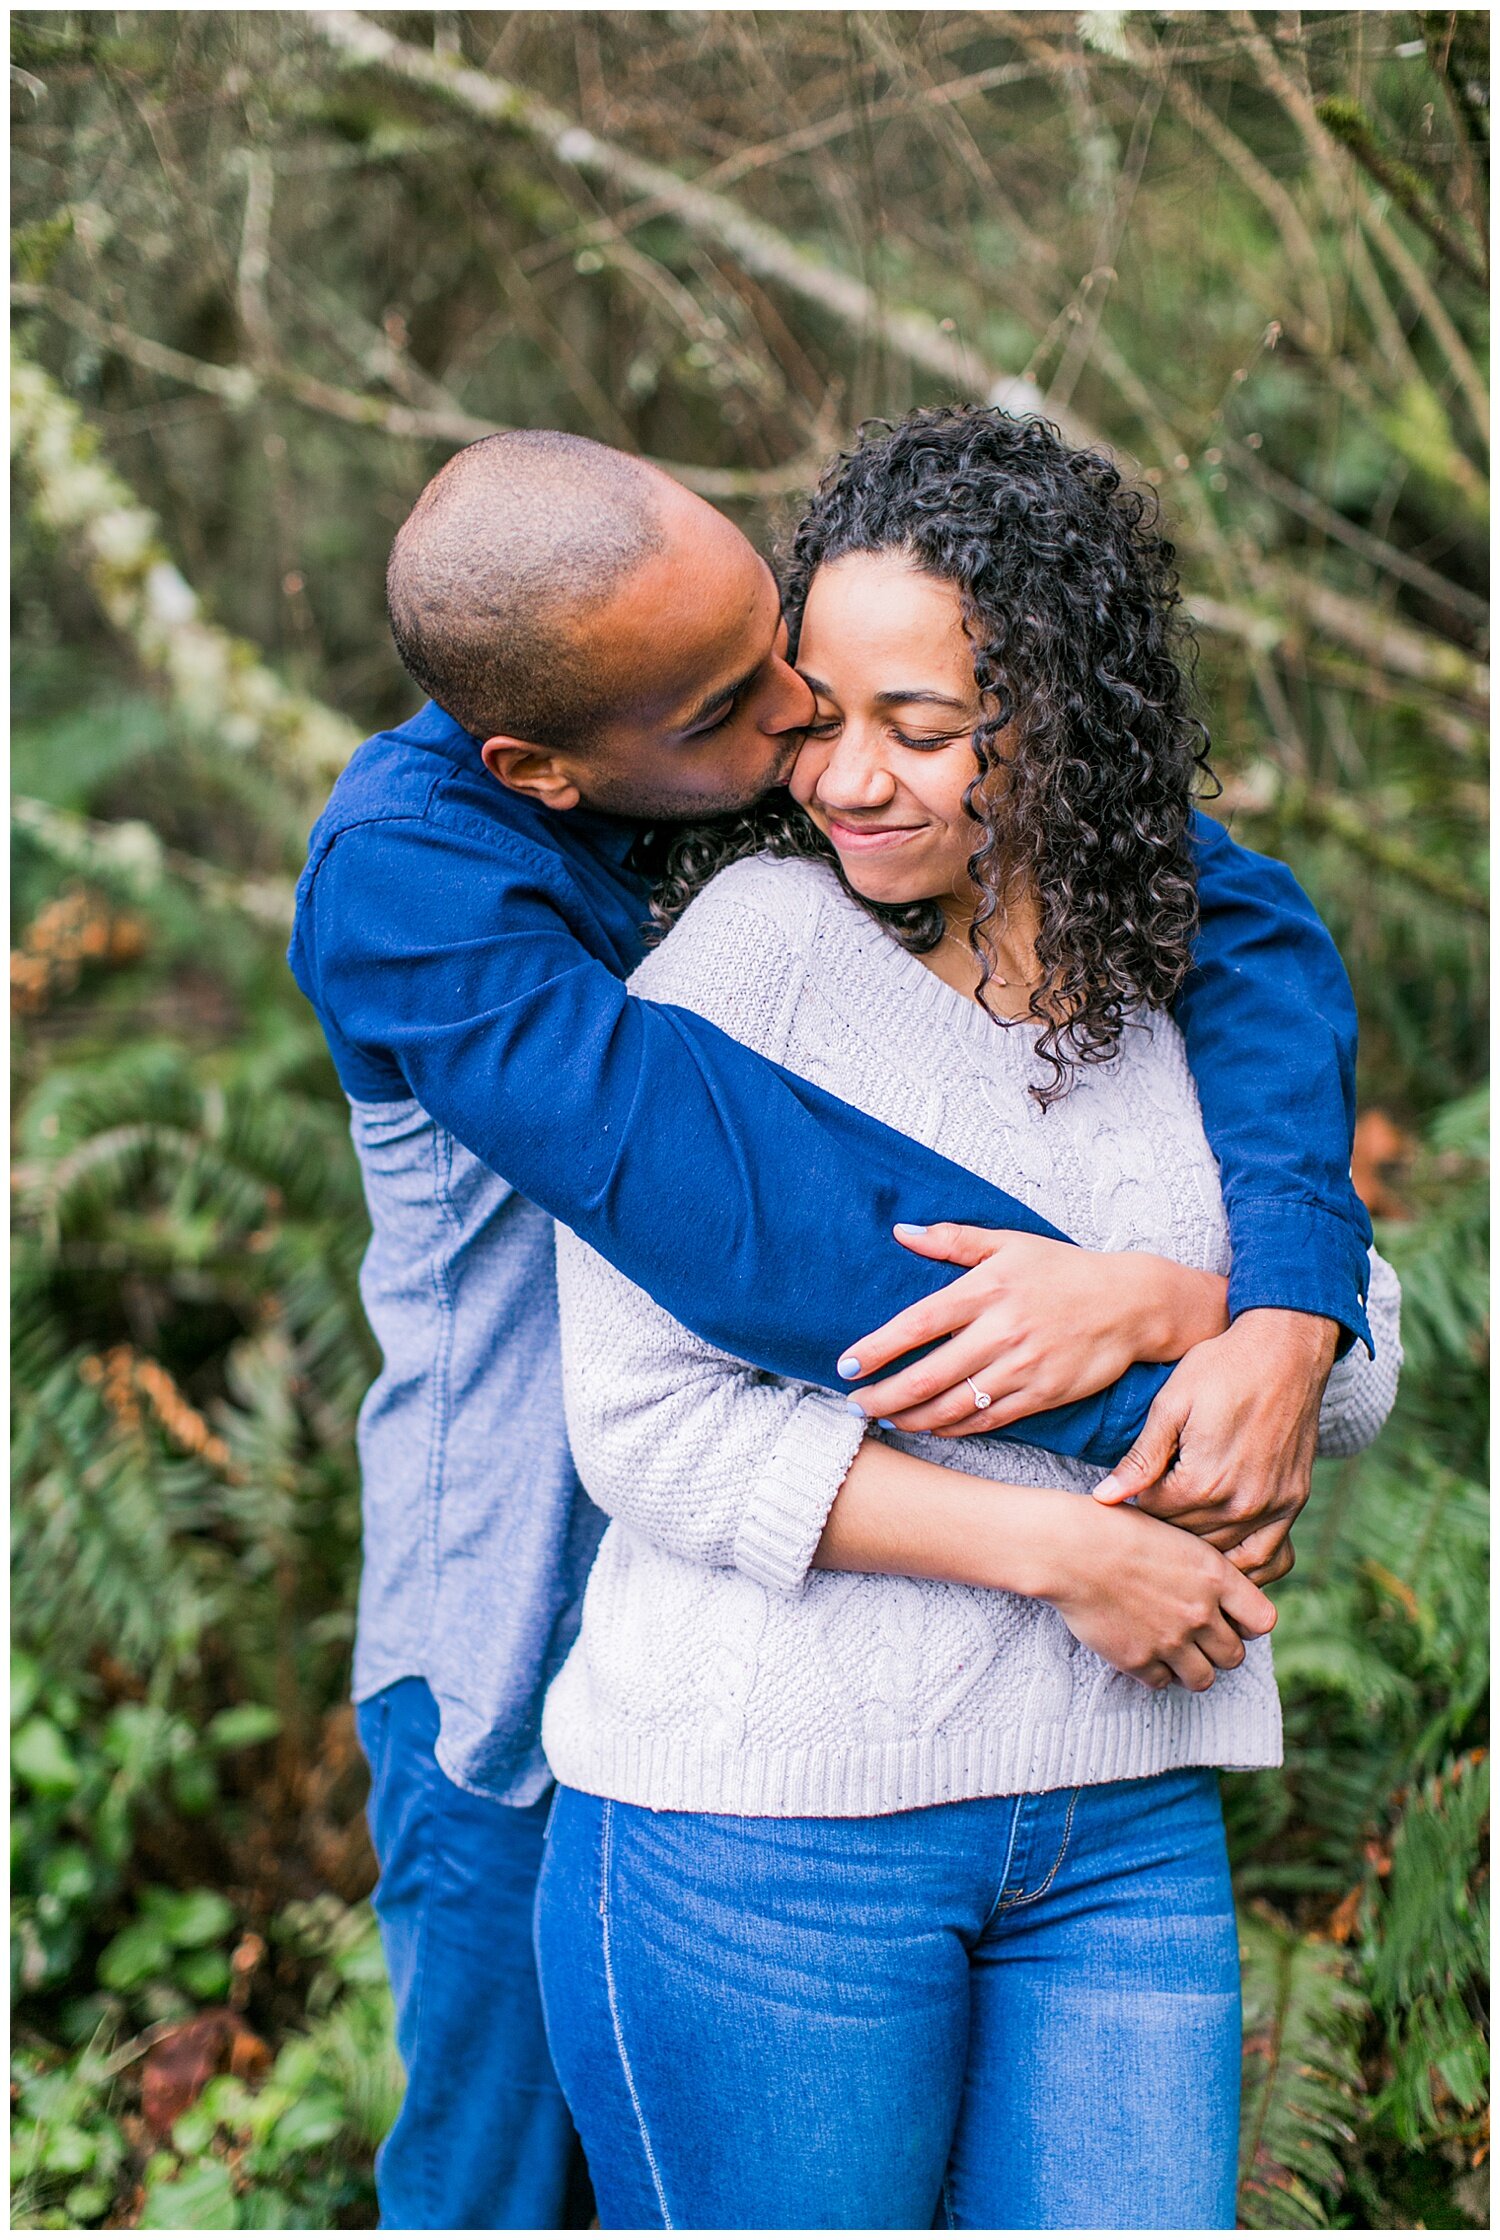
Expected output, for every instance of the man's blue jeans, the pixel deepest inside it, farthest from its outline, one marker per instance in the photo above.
(483, 2141)
(1014, 2014)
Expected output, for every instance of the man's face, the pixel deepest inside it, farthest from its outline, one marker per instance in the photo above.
(706, 714)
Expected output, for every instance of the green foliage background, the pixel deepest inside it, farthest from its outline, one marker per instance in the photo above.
(263, 286)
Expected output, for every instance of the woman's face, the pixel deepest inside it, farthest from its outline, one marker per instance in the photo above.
(889, 755)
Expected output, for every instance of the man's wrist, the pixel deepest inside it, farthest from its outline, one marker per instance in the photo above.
(1303, 1258)
(1314, 1336)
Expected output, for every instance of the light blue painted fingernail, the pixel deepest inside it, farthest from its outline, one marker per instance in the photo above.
(849, 1365)
(911, 1228)
(885, 1423)
(853, 1408)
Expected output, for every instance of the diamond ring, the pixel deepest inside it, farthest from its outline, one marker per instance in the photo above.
(981, 1399)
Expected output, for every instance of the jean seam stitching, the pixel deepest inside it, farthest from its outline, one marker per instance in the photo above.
(1029, 1897)
(605, 1855)
(1010, 1852)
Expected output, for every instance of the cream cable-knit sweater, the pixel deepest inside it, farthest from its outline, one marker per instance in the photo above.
(715, 1671)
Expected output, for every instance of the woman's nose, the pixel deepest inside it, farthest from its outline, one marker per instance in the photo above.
(854, 776)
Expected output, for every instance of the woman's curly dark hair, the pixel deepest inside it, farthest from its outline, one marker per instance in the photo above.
(1089, 752)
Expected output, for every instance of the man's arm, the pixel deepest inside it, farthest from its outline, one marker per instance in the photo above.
(756, 1208)
(1268, 1017)
(735, 1471)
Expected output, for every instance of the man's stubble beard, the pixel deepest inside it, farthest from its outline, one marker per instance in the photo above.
(653, 808)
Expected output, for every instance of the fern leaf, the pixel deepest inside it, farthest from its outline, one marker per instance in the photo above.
(1304, 2016)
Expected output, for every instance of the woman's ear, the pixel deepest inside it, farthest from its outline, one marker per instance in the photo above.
(539, 772)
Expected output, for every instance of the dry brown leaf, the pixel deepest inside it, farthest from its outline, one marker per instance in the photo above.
(181, 2063)
(1381, 1151)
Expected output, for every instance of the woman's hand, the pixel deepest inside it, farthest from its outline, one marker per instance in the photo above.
(1150, 1599)
(1035, 1322)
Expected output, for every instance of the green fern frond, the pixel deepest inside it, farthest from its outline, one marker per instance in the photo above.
(1440, 2049)
(1427, 1948)
(1304, 2015)
(1432, 1925)
(113, 1539)
(1321, 1646)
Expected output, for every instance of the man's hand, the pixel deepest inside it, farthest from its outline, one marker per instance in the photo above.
(1227, 1450)
(1035, 1323)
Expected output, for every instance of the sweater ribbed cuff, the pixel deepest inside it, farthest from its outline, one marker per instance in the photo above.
(794, 1491)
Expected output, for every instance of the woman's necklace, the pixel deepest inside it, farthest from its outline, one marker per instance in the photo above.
(998, 977)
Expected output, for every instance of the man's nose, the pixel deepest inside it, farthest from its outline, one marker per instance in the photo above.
(792, 706)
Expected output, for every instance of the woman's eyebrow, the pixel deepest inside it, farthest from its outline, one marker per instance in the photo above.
(896, 698)
(899, 698)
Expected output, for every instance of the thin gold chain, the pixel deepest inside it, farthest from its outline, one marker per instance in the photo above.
(998, 978)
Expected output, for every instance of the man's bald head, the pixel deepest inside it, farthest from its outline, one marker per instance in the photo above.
(496, 571)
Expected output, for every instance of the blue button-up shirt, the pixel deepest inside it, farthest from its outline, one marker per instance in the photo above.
(465, 950)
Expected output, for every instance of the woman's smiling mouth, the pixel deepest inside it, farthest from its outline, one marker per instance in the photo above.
(869, 839)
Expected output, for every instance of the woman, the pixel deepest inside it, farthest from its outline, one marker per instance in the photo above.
(886, 1878)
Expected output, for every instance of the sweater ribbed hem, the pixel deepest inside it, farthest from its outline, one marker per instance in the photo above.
(681, 1774)
(794, 1491)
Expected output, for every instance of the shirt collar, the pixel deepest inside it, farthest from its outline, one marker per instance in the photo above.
(593, 830)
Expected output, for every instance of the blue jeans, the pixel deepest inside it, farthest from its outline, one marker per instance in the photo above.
(483, 2141)
(1014, 2014)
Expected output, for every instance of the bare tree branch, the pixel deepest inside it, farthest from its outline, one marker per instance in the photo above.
(1453, 596)
(1296, 240)
(238, 386)
(746, 161)
(1365, 629)
(1393, 645)
(1440, 326)
(760, 248)
(1352, 129)
(253, 270)
(1266, 791)
(1115, 216)
(1324, 152)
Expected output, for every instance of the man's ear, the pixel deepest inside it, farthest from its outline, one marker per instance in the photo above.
(538, 772)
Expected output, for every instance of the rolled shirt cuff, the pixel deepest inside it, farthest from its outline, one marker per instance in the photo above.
(1305, 1258)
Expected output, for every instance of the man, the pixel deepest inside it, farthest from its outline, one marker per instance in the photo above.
(602, 648)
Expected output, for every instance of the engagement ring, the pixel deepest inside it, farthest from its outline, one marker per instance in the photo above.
(981, 1399)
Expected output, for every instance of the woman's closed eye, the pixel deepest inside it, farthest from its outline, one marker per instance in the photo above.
(828, 727)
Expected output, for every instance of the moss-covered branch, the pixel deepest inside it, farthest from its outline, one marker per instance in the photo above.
(218, 682)
(1353, 130)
